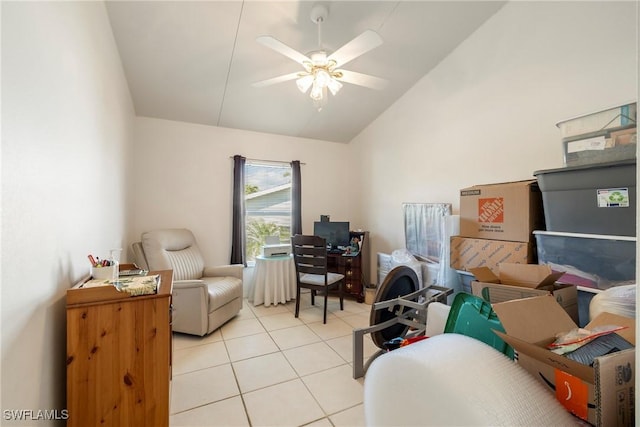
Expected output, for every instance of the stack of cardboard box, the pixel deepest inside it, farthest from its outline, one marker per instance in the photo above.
(496, 225)
(496, 242)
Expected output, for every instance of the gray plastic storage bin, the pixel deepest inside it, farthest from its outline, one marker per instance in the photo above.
(588, 260)
(594, 199)
(592, 151)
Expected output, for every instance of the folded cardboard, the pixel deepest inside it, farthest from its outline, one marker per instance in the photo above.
(505, 211)
(602, 394)
(467, 253)
(516, 281)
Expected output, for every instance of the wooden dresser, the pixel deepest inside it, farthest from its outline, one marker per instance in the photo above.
(354, 268)
(119, 356)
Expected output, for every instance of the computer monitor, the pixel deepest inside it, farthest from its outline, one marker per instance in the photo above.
(336, 233)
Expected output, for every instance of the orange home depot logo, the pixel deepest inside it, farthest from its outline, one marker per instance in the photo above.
(491, 210)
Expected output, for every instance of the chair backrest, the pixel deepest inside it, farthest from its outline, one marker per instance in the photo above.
(173, 249)
(138, 254)
(309, 254)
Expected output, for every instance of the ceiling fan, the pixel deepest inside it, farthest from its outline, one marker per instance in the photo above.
(322, 70)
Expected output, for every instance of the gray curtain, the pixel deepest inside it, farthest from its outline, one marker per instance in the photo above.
(296, 198)
(238, 252)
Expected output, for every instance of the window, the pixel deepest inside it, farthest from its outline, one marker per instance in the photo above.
(268, 205)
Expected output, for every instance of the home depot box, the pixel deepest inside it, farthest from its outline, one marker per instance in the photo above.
(467, 253)
(602, 394)
(505, 211)
(516, 281)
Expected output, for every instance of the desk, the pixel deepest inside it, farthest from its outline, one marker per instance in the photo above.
(274, 280)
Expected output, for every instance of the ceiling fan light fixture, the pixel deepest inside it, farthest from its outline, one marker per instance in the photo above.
(319, 58)
(322, 77)
(321, 100)
(308, 66)
(334, 86)
(317, 91)
(304, 83)
(321, 73)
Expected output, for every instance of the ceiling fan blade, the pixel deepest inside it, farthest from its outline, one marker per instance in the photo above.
(283, 49)
(274, 80)
(361, 44)
(362, 79)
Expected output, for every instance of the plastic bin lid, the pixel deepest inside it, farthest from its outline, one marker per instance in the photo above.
(472, 316)
(630, 104)
(593, 166)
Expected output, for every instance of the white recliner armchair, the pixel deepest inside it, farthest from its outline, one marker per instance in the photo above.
(204, 298)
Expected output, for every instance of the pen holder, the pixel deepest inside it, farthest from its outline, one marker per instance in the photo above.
(106, 273)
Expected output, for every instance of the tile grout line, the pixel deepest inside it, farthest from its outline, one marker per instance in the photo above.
(259, 315)
(300, 377)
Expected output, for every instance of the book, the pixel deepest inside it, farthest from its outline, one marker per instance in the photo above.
(133, 272)
(133, 285)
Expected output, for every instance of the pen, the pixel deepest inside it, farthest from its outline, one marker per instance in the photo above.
(92, 260)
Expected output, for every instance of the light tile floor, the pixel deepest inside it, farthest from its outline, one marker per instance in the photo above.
(267, 368)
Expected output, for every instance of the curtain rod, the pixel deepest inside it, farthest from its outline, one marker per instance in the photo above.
(267, 161)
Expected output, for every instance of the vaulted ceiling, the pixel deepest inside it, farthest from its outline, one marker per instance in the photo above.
(195, 61)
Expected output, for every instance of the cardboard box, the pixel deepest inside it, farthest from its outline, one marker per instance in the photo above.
(506, 211)
(467, 253)
(626, 136)
(516, 281)
(602, 394)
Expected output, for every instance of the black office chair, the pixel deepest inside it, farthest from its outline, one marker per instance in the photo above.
(310, 259)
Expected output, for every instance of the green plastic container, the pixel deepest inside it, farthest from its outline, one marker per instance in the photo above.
(472, 316)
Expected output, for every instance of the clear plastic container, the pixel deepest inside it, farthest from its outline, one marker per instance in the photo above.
(605, 136)
(588, 260)
(608, 120)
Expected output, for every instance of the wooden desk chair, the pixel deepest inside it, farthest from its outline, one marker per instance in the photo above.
(310, 259)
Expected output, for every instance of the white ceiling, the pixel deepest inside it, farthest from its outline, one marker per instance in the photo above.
(195, 61)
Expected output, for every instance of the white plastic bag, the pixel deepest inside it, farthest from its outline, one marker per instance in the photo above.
(619, 300)
(404, 257)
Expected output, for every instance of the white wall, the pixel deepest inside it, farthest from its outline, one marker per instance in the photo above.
(67, 128)
(487, 112)
(184, 175)
(67, 125)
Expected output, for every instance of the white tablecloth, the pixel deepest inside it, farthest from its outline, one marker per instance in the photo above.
(274, 281)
